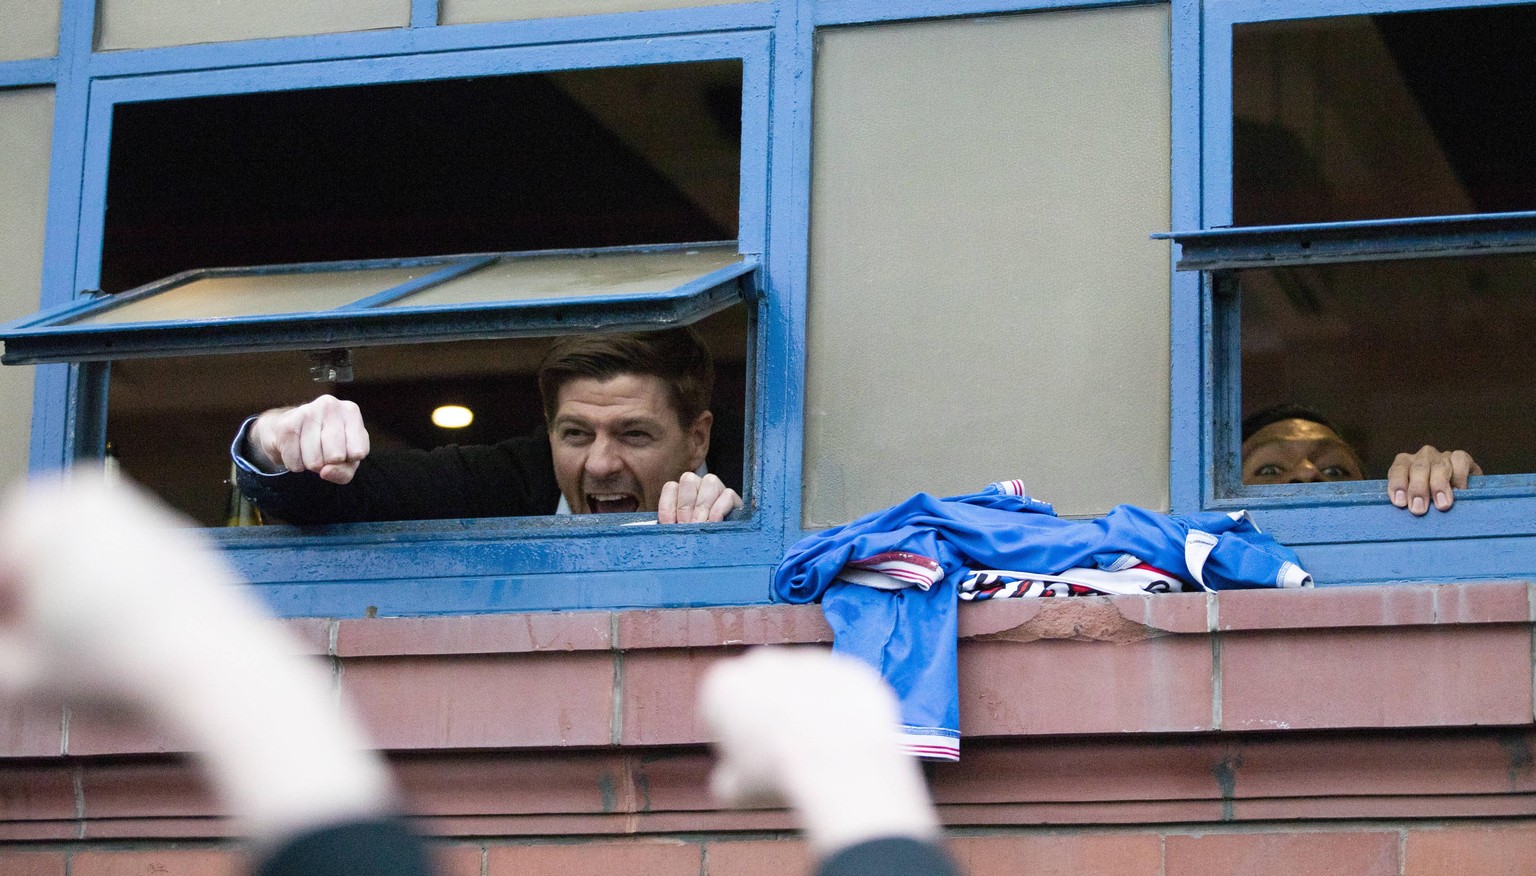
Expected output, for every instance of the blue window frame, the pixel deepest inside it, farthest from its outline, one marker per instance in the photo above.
(1346, 533)
(505, 564)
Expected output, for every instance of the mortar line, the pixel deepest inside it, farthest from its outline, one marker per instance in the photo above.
(616, 720)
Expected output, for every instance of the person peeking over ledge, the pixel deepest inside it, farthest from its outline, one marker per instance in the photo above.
(628, 429)
(1291, 444)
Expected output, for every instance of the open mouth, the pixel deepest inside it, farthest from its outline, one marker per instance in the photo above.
(612, 503)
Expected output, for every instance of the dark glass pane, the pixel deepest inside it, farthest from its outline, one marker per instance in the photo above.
(1400, 354)
(573, 159)
(1376, 116)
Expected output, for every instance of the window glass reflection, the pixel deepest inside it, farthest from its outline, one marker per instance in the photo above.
(1376, 116)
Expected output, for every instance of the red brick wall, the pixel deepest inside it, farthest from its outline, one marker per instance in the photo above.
(1497, 848)
(1351, 731)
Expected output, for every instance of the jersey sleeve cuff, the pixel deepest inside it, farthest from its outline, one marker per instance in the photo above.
(237, 453)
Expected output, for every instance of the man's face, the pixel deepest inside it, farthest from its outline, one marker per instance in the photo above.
(616, 442)
(1298, 452)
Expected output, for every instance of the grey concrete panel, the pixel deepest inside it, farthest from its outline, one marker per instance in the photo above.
(26, 135)
(30, 29)
(469, 11)
(984, 301)
(138, 24)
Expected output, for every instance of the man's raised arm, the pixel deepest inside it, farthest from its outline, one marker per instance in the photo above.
(325, 436)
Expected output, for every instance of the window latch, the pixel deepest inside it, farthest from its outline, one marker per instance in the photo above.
(330, 366)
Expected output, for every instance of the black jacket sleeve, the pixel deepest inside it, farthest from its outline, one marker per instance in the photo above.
(893, 856)
(385, 847)
(513, 478)
(382, 847)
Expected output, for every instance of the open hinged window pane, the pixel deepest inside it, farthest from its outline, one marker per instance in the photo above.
(1321, 243)
(1356, 207)
(330, 305)
(1400, 332)
(1367, 241)
(334, 172)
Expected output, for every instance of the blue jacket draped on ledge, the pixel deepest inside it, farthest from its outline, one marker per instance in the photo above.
(888, 581)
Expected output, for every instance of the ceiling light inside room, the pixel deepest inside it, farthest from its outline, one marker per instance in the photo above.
(452, 416)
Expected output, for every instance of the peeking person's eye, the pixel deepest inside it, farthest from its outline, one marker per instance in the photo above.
(1267, 470)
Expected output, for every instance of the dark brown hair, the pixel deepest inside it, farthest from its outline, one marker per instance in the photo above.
(677, 356)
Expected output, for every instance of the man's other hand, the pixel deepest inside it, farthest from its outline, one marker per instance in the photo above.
(820, 731)
(694, 499)
(325, 436)
(1416, 479)
(109, 599)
